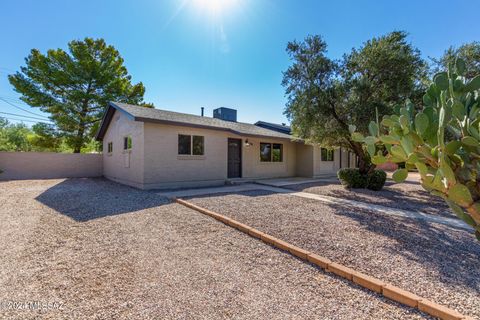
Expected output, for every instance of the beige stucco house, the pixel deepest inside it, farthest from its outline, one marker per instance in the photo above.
(151, 148)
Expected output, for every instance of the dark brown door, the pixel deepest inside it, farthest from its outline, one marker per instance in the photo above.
(234, 158)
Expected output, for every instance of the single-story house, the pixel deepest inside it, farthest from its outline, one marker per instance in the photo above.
(150, 148)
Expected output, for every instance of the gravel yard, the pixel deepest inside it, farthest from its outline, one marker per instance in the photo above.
(408, 195)
(434, 261)
(106, 251)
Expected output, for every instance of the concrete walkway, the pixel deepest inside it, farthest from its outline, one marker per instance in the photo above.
(213, 190)
(456, 223)
(283, 182)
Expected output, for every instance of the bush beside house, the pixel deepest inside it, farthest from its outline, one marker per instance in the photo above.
(352, 178)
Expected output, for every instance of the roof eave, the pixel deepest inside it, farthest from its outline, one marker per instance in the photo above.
(107, 118)
(112, 107)
(191, 125)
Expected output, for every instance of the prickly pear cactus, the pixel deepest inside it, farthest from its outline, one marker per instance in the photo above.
(442, 141)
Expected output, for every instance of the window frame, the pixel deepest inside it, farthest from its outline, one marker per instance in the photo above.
(191, 148)
(189, 145)
(271, 160)
(261, 153)
(110, 147)
(325, 157)
(281, 152)
(127, 143)
(202, 138)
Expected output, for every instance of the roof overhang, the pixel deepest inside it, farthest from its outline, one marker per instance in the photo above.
(107, 118)
(112, 107)
(192, 125)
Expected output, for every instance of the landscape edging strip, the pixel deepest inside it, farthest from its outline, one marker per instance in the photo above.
(368, 282)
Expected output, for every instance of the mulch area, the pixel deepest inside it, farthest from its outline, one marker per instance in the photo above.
(408, 196)
(106, 251)
(435, 261)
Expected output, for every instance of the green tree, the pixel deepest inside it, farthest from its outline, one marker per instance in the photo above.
(326, 95)
(45, 137)
(4, 143)
(14, 137)
(469, 52)
(76, 86)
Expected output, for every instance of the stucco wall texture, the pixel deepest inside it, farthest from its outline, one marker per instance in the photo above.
(49, 165)
(153, 161)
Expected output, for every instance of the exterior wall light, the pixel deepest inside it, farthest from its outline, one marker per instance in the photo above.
(248, 144)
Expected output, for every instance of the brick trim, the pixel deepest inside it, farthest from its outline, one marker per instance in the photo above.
(371, 283)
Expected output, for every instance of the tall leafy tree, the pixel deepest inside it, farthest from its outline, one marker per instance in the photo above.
(325, 96)
(14, 137)
(45, 137)
(75, 86)
(468, 52)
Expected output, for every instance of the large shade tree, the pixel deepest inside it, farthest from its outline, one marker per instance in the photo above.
(325, 95)
(468, 52)
(75, 86)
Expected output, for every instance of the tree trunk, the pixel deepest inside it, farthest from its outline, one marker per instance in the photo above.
(83, 122)
(79, 139)
(364, 165)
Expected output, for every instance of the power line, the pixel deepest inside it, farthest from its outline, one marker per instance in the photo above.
(13, 99)
(22, 108)
(19, 115)
(23, 120)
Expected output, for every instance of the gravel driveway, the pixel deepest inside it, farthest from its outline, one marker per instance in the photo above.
(106, 251)
(408, 195)
(432, 260)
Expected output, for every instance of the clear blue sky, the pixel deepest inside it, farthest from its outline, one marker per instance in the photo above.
(189, 54)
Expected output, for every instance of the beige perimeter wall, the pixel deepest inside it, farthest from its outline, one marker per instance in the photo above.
(49, 165)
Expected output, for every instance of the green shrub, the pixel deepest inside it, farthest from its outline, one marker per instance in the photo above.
(352, 178)
(376, 180)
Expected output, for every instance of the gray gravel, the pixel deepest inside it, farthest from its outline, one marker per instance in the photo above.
(408, 196)
(434, 261)
(107, 251)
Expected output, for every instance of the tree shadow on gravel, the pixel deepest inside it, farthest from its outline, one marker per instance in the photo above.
(388, 197)
(84, 199)
(253, 193)
(453, 253)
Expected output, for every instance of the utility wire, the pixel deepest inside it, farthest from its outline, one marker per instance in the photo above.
(22, 120)
(13, 99)
(19, 115)
(39, 115)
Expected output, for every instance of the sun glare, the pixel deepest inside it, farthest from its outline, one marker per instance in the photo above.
(215, 7)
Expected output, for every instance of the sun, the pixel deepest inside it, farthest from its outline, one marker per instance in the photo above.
(215, 7)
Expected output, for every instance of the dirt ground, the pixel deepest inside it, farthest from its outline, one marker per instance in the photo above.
(93, 249)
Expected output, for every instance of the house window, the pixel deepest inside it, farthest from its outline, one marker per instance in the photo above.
(127, 143)
(265, 152)
(198, 145)
(184, 144)
(110, 147)
(277, 152)
(327, 154)
(271, 152)
(191, 145)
